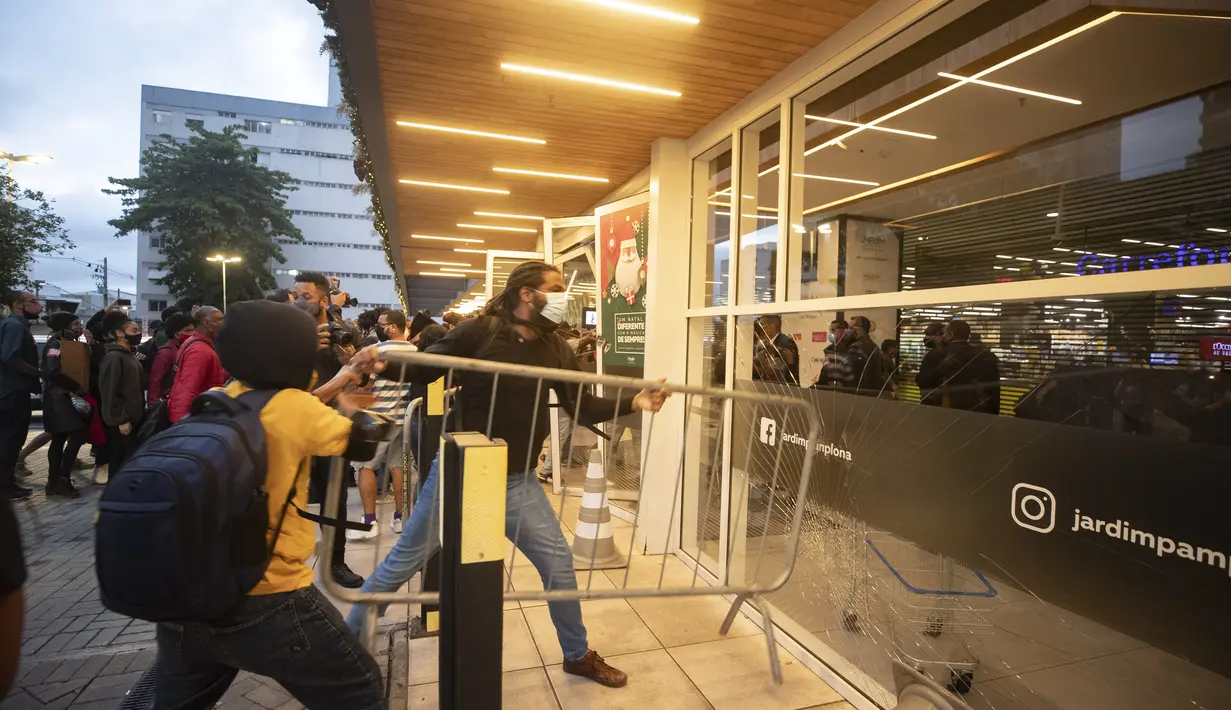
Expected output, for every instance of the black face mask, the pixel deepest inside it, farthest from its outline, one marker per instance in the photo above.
(312, 308)
(381, 334)
(133, 340)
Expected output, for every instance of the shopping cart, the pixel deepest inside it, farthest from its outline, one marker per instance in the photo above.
(932, 603)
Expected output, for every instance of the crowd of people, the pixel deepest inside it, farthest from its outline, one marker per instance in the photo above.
(956, 371)
(97, 380)
(296, 346)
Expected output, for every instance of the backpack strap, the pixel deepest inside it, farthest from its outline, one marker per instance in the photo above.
(256, 399)
(183, 352)
(321, 519)
(494, 325)
(168, 379)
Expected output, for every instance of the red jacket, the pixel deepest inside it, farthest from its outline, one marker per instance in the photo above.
(161, 370)
(199, 371)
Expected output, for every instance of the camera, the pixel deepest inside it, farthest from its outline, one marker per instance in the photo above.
(335, 290)
(340, 335)
(346, 300)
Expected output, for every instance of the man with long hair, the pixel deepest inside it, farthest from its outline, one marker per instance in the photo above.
(518, 327)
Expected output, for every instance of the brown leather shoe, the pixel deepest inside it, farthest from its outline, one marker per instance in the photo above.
(593, 666)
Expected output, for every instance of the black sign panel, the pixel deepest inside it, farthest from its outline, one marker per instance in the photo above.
(1128, 531)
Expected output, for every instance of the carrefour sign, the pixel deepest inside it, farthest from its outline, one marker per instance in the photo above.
(1186, 255)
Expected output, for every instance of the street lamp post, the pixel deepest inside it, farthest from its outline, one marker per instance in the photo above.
(34, 159)
(224, 260)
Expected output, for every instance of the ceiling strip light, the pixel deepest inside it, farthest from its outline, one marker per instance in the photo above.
(840, 122)
(510, 216)
(837, 179)
(941, 92)
(537, 173)
(464, 131)
(1190, 15)
(447, 186)
(907, 181)
(749, 216)
(644, 10)
(1006, 87)
(442, 263)
(464, 240)
(464, 271)
(727, 191)
(496, 228)
(444, 274)
(588, 79)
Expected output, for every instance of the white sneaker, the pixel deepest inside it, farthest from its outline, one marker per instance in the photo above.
(100, 475)
(363, 534)
(387, 498)
(396, 525)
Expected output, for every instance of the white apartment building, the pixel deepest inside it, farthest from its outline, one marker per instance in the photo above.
(314, 145)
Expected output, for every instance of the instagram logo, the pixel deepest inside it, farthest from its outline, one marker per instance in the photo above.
(1034, 508)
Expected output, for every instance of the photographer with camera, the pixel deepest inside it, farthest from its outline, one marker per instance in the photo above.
(336, 346)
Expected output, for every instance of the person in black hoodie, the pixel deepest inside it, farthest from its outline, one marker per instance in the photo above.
(67, 426)
(119, 384)
(96, 338)
(929, 378)
(971, 373)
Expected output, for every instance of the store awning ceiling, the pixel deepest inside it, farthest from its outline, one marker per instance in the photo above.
(450, 64)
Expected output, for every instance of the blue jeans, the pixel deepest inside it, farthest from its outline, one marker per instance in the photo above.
(297, 638)
(529, 521)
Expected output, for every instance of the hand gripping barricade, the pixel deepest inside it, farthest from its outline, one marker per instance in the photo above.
(476, 571)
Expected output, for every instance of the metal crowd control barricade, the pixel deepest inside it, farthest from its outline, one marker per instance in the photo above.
(417, 454)
(472, 480)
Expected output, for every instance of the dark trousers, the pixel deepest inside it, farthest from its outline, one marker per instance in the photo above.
(62, 454)
(120, 447)
(297, 638)
(316, 494)
(14, 426)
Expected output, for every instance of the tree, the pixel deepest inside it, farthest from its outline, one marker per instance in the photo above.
(28, 226)
(204, 197)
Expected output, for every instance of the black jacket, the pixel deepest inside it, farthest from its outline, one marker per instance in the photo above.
(972, 378)
(59, 415)
(119, 384)
(515, 417)
(929, 378)
(16, 347)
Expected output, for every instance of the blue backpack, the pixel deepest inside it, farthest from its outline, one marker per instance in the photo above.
(180, 534)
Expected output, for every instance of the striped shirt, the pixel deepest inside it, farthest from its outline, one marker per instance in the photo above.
(391, 398)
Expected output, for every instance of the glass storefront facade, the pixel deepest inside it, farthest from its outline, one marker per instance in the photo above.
(1002, 281)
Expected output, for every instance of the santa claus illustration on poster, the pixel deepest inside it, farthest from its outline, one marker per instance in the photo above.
(622, 263)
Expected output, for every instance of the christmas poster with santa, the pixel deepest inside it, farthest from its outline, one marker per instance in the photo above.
(622, 242)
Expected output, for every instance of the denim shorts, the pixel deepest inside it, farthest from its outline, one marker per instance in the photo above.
(388, 453)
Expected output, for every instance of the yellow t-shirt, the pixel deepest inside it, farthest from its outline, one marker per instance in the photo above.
(297, 427)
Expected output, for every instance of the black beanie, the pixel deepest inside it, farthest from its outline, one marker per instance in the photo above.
(267, 345)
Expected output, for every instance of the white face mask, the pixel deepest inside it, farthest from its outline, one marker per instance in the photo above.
(556, 307)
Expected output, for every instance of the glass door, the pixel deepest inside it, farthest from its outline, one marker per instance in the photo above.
(500, 263)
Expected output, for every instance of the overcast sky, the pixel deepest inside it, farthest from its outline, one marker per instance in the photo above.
(70, 86)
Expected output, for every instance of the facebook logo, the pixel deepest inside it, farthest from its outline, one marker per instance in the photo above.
(769, 431)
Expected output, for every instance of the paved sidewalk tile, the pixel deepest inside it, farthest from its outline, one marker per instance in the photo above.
(76, 654)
